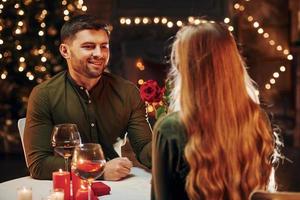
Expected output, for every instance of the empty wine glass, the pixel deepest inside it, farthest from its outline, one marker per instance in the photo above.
(64, 139)
(88, 163)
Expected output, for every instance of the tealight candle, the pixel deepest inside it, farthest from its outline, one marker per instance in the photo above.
(82, 194)
(58, 194)
(24, 193)
(61, 180)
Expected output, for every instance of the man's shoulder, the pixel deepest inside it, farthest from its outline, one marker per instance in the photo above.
(117, 81)
(53, 82)
(49, 88)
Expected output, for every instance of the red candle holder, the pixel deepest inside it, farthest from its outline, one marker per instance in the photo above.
(76, 184)
(61, 180)
(80, 188)
(82, 194)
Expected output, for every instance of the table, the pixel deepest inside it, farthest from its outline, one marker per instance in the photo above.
(135, 187)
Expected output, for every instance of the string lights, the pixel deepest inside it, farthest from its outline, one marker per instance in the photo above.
(275, 76)
(164, 21)
(140, 65)
(170, 23)
(35, 59)
(70, 7)
(66, 12)
(274, 44)
(3, 73)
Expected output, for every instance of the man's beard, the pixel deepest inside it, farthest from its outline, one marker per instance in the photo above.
(92, 73)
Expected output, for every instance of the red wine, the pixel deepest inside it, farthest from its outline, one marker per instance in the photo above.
(65, 151)
(89, 169)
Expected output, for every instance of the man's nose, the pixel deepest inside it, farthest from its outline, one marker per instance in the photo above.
(97, 52)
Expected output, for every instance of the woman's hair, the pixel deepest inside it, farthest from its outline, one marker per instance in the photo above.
(230, 140)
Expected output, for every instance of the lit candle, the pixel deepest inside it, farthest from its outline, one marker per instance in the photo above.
(58, 194)
(98, 188)
(61, 180)
(77, 183)
(82, 194)
(24, 193)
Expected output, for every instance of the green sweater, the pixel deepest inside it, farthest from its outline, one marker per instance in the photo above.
(106, 112)
(169, 167)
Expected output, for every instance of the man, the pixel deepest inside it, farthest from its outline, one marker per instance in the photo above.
(103, 106)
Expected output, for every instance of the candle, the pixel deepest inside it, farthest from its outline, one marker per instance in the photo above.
(82, 194)
(61, 180)
(58, 194)
(24, 193)
(80, 188)
(77, 183)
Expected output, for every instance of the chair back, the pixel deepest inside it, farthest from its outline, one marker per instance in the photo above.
(264, 195)
(21, 127)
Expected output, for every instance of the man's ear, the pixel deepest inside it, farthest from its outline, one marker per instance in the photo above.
(64, 50)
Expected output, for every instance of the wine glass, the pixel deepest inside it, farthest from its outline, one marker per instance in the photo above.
(64, 139)
(88, 163)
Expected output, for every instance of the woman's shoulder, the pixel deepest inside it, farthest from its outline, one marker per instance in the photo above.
(170, 126)
(170, 119)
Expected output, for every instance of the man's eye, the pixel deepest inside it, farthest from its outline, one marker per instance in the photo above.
(106, 46)
(88, 46)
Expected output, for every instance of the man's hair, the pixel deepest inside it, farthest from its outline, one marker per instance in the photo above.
(79, 23)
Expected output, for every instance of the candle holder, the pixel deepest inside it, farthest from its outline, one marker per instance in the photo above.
(57, 194)
(24, 193)
(61, 180)
(83, 193)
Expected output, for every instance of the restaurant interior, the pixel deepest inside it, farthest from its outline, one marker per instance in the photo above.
(267, 32)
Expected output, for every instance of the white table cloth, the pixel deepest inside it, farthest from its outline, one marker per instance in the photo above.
(135, 187)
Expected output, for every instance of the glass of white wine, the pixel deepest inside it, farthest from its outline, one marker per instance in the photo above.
(88, 163)
(65, 137)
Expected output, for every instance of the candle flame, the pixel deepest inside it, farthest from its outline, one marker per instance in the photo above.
(82, 186)
(81, 161)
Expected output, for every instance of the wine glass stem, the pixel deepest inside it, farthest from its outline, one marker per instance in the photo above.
(89, 189)
(66, 164)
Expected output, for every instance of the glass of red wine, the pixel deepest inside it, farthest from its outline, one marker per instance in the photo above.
(65, 137)
(88, 163)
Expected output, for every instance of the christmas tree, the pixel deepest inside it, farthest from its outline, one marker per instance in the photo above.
(29, 41)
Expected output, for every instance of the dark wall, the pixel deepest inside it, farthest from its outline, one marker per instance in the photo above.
(175, 8)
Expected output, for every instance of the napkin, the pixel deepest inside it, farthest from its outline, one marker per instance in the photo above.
(119, 143)
(100, 189)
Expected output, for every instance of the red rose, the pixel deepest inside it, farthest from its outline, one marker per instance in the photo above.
(151, 92)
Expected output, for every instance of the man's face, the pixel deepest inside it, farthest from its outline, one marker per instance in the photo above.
(88, 53)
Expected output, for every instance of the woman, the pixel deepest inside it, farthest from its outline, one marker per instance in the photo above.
(219, 143)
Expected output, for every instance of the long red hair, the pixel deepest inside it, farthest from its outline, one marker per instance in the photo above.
(230, 140)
